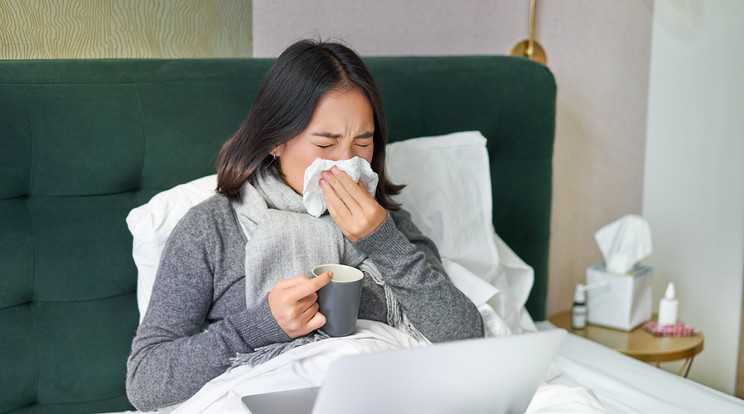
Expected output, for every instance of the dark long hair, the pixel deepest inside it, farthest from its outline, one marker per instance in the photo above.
(284, 106)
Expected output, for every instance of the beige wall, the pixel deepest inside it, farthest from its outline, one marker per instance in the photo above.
(392, 27)
(36, 29)
(598, 51)
(600, 57)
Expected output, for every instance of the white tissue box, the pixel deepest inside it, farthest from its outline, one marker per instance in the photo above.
(618, 301)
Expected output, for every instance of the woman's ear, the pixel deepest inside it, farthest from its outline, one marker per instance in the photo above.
(277, 151)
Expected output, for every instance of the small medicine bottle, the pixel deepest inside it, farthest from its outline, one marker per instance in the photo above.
(578, 310)
(668, 307)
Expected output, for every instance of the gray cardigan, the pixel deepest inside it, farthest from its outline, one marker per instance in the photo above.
(201, 281)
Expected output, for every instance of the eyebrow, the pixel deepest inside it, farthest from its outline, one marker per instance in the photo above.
(332, 135)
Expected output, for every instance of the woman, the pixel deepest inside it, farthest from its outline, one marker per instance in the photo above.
(237, 263)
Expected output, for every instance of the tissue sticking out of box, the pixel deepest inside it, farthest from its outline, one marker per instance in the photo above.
(624, 243)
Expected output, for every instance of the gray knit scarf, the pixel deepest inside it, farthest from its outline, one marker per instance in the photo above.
(286, 241)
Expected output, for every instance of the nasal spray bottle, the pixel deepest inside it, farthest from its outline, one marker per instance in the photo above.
(668, 307)
(578, 311)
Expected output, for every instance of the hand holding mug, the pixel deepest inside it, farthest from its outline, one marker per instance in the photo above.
(294, 304)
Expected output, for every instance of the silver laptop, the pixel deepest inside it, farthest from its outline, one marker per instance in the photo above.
(489, 375)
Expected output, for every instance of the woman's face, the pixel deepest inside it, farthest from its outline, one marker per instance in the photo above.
(341, 128)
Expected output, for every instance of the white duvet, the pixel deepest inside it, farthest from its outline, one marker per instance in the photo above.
(628, 386)
(307, 366)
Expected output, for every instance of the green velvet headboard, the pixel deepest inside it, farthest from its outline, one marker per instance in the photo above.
(82, 142)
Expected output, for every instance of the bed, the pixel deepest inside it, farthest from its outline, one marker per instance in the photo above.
(87, 146)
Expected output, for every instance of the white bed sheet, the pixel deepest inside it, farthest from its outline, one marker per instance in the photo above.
(625, 385)
(307, 366)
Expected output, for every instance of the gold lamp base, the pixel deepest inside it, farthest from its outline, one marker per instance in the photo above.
(538, 53)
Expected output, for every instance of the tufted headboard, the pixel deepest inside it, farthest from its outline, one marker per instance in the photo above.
(82, 142)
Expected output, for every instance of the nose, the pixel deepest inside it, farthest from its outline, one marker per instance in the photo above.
(345, 152)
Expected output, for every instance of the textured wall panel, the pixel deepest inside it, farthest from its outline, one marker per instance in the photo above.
(54, 29)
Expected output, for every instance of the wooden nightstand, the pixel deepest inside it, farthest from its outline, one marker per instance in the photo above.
(638, 343)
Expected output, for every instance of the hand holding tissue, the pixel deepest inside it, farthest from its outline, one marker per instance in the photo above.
(619, 290)
(357, 168)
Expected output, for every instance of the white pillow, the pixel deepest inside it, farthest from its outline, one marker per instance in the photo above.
(448, 194)
(152, 223)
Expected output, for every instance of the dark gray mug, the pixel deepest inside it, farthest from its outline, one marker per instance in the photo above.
(339, 299)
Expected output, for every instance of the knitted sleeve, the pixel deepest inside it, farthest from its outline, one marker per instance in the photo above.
(411, 266)
(172, 356)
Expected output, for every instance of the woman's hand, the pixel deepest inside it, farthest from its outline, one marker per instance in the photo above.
(294, 304)
(355, 211)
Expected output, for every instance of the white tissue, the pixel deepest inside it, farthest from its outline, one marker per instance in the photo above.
(624, 243)
(357, 168)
